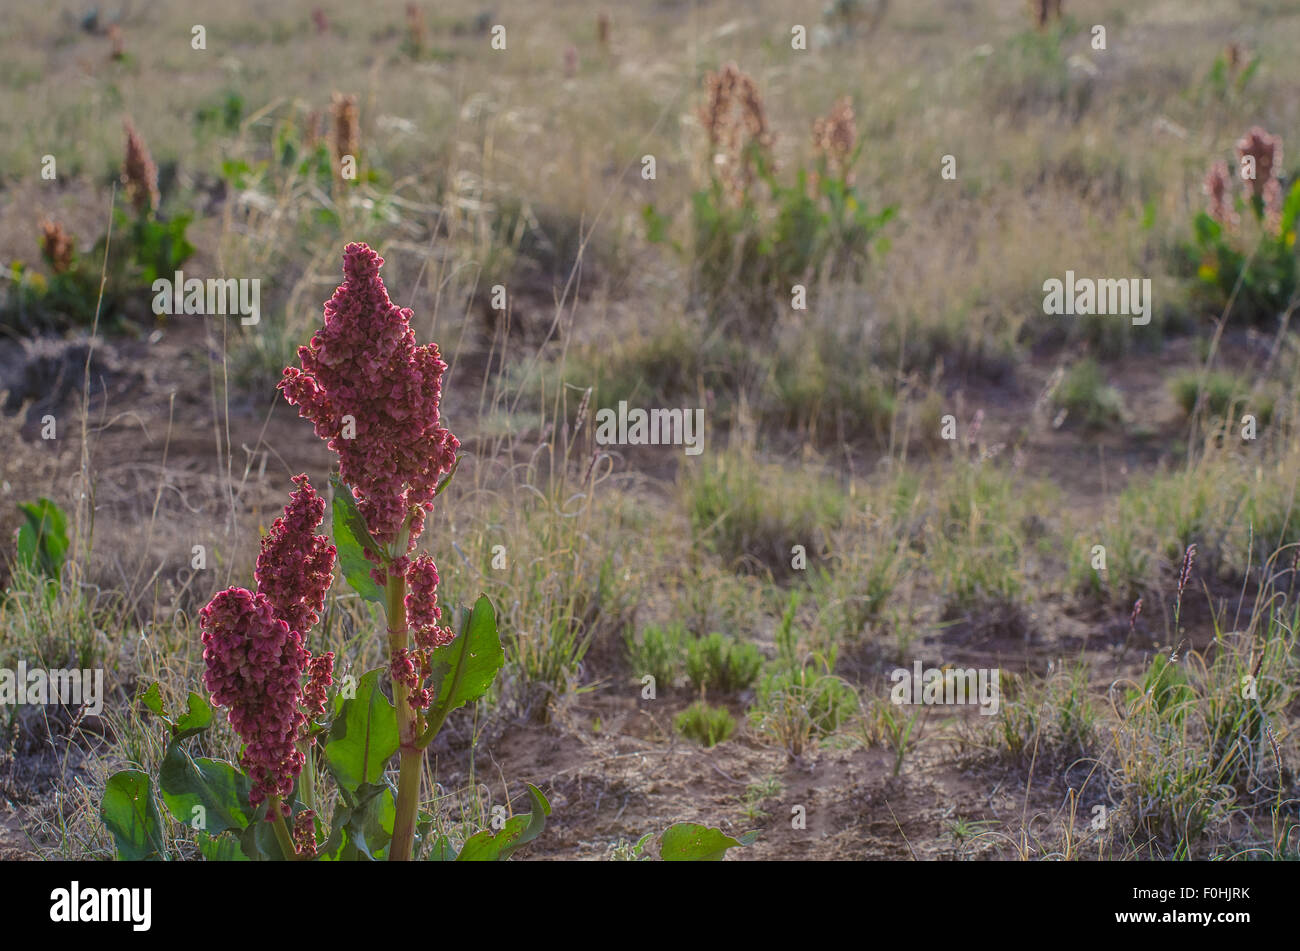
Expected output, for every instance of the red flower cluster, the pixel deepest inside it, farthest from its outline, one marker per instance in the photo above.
(296, 566)
(320, 675)
(412, 667)
(374, 395)
(422, 610)
(139, 173)
(304, 833)
(253, 646)
(1266, 150)
(255, 665)
(1218, 186)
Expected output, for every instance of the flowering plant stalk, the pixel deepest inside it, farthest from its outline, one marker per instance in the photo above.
(374, 395)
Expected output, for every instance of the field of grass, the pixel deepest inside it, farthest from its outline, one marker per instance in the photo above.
(824, 231)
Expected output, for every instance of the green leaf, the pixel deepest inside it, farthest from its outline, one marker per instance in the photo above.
(1290, 209)
(129, 811)
(352, 538)
(258, 842)
(43, 537)
(442, 851)
(692, 842)
(362, 830)
(446, 480)
(223, 848)
(363, 736)
(206, 794)
(198, 719)
(466, 667)
(152, 699)
(518, 831)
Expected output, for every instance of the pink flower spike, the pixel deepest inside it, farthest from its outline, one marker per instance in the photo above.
(254, 667)
(296, 566)
(374, 395)
(320, 675)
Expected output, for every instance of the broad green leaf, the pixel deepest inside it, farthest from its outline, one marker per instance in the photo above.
(465, 668)
(258, 841)
(205, 794)
(363, 736)
(129, 811)
(352, 538)
(196, 720)
(692, 842)
(518, 831)
(364, 829)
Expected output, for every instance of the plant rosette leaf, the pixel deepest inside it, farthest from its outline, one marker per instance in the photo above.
(692, 842)
(363, 736)
(487, 846)
(352, 538)
(131, 815)
(363, 829)
(205, 794)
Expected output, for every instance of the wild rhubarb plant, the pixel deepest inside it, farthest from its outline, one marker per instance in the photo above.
(145, 245)
(373, 394)
(1244, 242)
(755, 236)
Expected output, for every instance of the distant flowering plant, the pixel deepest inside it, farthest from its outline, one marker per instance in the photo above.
(754, 236)
(374, 395)
(85, 283)
(1244, 246)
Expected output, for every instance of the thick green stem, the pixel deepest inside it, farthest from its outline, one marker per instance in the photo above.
(408, 780)
(408, 802)
(282, 831)
(307, 782)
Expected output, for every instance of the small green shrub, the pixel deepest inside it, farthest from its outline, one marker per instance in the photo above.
(722, 663)
(705, 724)
(1225, 395)
(658, 651)
(1085, 396)
(795, 706)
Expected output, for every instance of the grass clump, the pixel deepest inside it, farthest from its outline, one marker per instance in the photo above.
(753, 514)
(722, 664)
(1085, 396)
(659, 651)
(705, 724)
